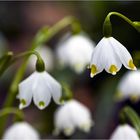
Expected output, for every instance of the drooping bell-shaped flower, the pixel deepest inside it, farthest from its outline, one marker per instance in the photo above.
(110, 54)
(75, 51)
(124, 132)
(47, 56)
(129, 85)
(21, 131)
(41, 87)
(70, 116)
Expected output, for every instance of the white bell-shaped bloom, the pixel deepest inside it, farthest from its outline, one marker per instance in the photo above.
(129, 86)
(21, 131)
(124, 132)
(75, 51)
(47, 56)
(70, 116)
(41, 87)
(110, 54)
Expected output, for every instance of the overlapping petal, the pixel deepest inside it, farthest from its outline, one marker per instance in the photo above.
(72, 115)
(110, 54)
(41, 87)
(124, 132)
(54, 87)
(75, 51)
(122, 53)
(41, 92)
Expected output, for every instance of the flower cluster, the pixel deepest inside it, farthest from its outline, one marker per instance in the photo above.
(76, 51)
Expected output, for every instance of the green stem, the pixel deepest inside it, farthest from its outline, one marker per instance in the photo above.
(128, 113)
(66, 92)
(45, 36)
(15, 111)
(5, 62)
(40, 66)
(5, 112)
(107, 26)
(5, 56)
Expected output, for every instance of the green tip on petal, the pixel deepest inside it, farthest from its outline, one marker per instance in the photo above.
(86, 127)
(113, 69)
(68, 131)
(22, 103)
(131, 65)
(93, 70)
(41, 105)
(134, 98)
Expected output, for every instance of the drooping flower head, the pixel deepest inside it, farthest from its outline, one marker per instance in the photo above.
(75, 51)
(110, 54)
(129, 86)
(70, 116)
(39, 86)
(21, 131)
(124, 132)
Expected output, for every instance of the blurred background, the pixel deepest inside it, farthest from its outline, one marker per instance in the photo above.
(19, 22)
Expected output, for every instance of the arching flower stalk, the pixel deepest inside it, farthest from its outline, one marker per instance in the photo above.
(110, 54)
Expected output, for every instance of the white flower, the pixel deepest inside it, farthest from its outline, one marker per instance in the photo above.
(124, 132)
(70, 116)
(129, 85)
(47, 56)
(40, 86)
(109, 54)
(75, 51)
(21, 131)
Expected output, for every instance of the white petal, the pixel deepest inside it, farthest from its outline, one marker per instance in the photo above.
(75, 51)
(62, 120)
(97, 58)
(41, 92)
(21, 131)
(80, 115)
(124, 132)
(112, 62)
(122, 52)
(129, 84)
(25, 91)
(72, 115)
(54, 87)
